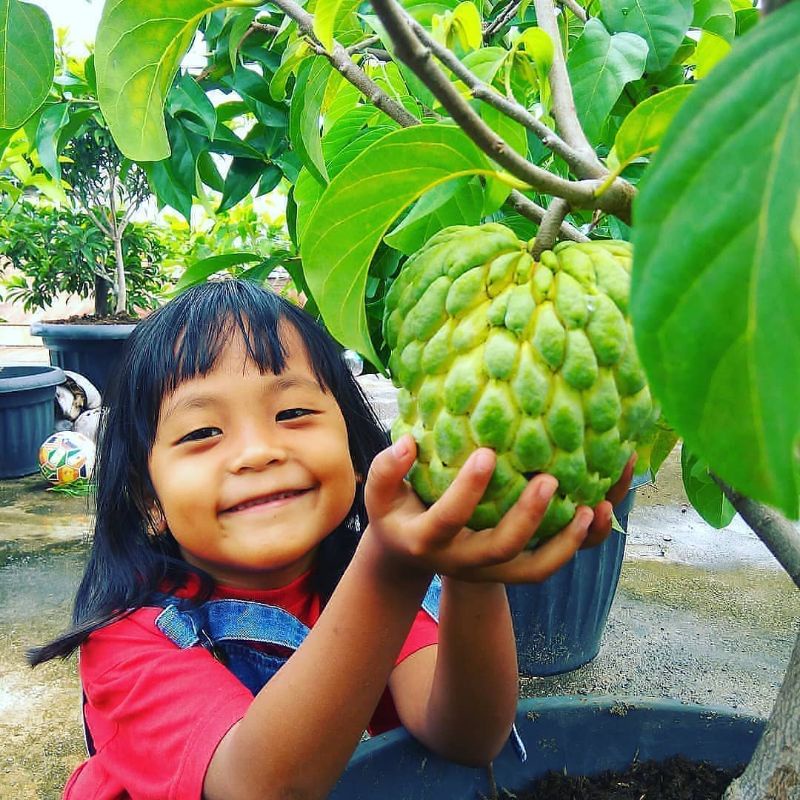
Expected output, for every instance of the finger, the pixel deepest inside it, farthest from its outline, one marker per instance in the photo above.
(451, 512)
(386, 473)
(617, 492)
(600, 527)
(534, 566)
(515, 529)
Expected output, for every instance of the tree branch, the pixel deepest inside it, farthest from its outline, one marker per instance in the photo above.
(563, 102)
(578, 10)
(550, 227)
(363, 45)
(501, 19)
(342, 62)
(780, 536)
(583, 167)
(533, 211)
(580, 194)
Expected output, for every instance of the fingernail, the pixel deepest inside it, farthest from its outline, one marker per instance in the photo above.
(547, 486)
(401, 447)
(484, 460)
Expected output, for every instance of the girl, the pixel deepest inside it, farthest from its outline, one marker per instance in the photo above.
(252, 600)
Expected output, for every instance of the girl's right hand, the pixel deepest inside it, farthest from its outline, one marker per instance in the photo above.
(437, 540)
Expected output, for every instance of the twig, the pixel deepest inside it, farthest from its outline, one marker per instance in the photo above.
(501, 19)
(578, 10)
(563, 102)
(550, 227)
(363, 45)
(409, 49)
(533, 211)
(780, 536)
(342, 62)
(582, 166)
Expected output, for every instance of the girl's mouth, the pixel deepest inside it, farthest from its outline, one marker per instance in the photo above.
(266, 500)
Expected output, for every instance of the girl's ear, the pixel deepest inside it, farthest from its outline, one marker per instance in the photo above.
(158, 522)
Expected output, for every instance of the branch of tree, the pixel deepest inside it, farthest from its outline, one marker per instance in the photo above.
(583, 167)
(550, 227)
(527, 208)
(779, 535)
(579, 194)
(501, 19)
(342, 62)
(563, 102)
(578, 10)
(363, 45)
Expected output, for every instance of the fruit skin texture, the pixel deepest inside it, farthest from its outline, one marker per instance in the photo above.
(535, 360)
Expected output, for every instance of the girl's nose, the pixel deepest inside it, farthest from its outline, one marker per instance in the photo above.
(255, 450)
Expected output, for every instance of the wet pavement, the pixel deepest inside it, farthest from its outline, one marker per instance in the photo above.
(700, 615)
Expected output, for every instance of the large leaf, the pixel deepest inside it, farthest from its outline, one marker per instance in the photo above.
(206, 267)
(661, 23)
(304, 116)
(358, 207)
(716, 16)
(26, 61)
(53, 119)
(139, 47)
(716, 279)
(599, 66)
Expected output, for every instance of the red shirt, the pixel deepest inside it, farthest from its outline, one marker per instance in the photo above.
(157, 713)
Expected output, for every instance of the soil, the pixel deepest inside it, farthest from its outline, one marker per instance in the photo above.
(96, 319)
(673, 779)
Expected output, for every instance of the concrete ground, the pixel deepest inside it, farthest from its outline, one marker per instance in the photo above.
(700, 615)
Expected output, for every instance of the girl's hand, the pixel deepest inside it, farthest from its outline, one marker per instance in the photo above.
(437, 539)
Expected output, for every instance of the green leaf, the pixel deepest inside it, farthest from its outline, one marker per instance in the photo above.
(51, 122)
(243, 175)
(703, 493)
(206, 267)
(515, 135)
(358, 207)
(26, 61)
(304, 116)
(716, 16)
(138, 50)
(186, 97)
(711, 49)
(599, 67)
(456, 202)
(643, 129)
(663, 444)
(325, 17)
(661, 23)
(746, 19)
(716, 279)
(239, 27)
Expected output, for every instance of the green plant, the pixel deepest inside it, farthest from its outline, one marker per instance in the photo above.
(52, 251)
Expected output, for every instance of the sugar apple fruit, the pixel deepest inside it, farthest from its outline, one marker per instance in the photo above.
(535, 360)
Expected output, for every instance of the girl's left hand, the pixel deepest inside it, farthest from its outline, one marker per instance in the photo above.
(436, 539)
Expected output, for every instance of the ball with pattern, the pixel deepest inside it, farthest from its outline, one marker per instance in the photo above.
(66, 456)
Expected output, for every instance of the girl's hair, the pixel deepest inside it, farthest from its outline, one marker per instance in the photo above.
(180, 341)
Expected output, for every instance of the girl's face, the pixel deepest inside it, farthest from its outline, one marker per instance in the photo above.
(252, 471)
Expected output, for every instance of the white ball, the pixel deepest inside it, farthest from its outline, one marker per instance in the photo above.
(66, 456)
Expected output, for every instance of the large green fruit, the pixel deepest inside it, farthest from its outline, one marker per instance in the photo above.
(535, 360)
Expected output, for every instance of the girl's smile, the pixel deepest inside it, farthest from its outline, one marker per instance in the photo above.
(252, 471)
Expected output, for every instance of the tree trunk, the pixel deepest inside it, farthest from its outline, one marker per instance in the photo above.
(101, 287)
(774, 771)
(122, 289)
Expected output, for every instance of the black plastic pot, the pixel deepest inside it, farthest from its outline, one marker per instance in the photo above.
(559, 623)
(91, 350)
(27, 415)
(584, 736)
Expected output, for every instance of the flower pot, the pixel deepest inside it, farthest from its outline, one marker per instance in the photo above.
(584, 736)
(559, 623)
(27, 415)
(91, 350)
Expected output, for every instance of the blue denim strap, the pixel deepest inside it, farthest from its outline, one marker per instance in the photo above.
(433, 596)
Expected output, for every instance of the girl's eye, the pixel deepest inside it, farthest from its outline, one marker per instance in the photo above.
(292, 413)
(199, 434)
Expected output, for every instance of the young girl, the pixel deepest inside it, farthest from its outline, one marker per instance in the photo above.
(261, 588)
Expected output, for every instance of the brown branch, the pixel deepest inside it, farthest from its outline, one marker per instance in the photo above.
(578, 10)
(363, 45)
(342, 62)
(550, 227)
(580, 194)
(583, 167)
(533, 211)
(778, 534)
(501, 19)
(563, 102)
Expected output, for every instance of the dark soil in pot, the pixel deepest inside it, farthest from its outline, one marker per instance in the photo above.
(122, 318)
(674, 778)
